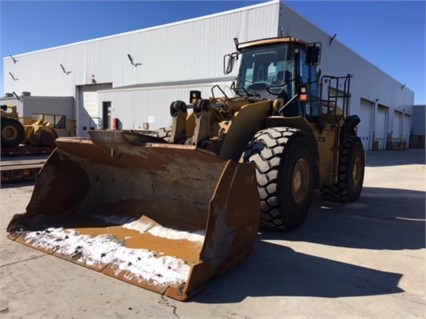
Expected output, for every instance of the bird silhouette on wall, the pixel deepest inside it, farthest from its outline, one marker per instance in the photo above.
(63, 69)
(13, 77)
(133, 63)
(14, 60)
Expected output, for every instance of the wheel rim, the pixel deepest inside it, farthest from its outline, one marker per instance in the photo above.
(300, 180)
(9, 133)
(356, 170)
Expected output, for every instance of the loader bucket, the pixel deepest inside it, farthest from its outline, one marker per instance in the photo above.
(40, 133)
(164, 217)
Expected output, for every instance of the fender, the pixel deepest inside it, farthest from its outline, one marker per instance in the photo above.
(349, 127)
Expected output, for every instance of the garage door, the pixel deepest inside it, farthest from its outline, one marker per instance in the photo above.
(364, 127)
(90, 105)
(89, 112)
(406, 128)
(397, 121)
(381, 125)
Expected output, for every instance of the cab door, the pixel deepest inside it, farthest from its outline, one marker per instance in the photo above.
(308, 76)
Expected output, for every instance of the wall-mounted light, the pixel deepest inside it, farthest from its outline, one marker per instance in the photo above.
(93, 81)
(16, 96)
(332, 38)
(13, 77)
(236, 42)
(131, 61)
(14, 60)
(63, 69)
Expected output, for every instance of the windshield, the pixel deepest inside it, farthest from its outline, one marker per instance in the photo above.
(267, 69)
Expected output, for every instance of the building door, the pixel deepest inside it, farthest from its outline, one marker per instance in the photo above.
(406, 128)
(106, 115)
(381, 127)
(397, 124)
(364, 127)
(89, 112)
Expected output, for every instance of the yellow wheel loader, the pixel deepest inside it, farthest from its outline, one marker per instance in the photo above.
(171, 209)
(33, 132)
(12, 131)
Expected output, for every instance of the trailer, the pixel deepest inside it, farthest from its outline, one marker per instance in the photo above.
(26, 150)
(18, 169)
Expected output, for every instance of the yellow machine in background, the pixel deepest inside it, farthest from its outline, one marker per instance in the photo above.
(14, 133)
(12, 130)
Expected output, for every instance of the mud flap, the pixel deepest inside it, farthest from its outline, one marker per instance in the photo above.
(164, 217)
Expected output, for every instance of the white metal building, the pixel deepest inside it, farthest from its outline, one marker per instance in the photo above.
(170, 60)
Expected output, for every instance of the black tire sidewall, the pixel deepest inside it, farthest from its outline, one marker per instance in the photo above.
(15, 125)
(356, 150)
(294, 214)
(345, 190)
(274, 150)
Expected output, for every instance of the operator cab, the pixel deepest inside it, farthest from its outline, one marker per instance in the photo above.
(279, 68)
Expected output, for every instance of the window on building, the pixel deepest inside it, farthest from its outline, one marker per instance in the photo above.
(55, 120)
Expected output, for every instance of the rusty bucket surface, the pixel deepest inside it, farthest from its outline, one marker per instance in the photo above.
(161, 216)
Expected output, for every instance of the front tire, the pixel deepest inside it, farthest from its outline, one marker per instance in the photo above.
(285, 178)
(12, 132)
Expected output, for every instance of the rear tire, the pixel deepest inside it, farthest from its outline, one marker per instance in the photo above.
(351, 173)
(285, 178)
(12, 132)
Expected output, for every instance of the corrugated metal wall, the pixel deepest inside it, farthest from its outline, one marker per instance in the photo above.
(190, 51)
(136, 106)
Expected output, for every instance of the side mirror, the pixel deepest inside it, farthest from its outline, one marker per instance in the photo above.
(228, 62)
(313, 53)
